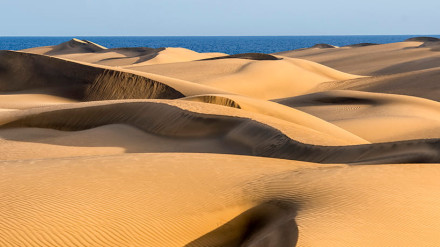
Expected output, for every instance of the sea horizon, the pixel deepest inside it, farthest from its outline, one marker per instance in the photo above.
(225, 44)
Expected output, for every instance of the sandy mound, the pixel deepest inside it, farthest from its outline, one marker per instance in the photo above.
(373, 116)
(360, 45)
(256, 79)
(250, 56)
(278, 111)
(30, 100)
(423, 39)
(216, 200)
(24, 71)
(89, 52)
(420, 83)
(323, 46)
(72, 46)
(381, 59)
(259, 135)
(170, 147)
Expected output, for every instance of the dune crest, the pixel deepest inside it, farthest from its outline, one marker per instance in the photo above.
(137, 146)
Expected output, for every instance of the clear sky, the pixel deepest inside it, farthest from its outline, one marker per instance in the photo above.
(217, 17)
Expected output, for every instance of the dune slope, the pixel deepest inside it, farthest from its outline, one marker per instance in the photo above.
(376, 117)
(383, 59)
(142, 146)
(193, 201)
(259, 138)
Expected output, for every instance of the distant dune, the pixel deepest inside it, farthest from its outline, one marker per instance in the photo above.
(323, 46)
(360, 45)
(373, 60)
(87, 51)
(423, 39)
(138, 146)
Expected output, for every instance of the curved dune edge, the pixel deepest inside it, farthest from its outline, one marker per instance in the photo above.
(252, 78)
(375, 60)
(208, 160)
(239, 200)
(278, 111)
(21, 71)
(74, 78)
(68, 78)
(250, 56)
(376, 117)
(173, 119)
(30, 100)
(89, 52)
(72, 46)
(421, 83)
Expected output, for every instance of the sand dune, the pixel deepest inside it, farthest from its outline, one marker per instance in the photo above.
(360, 45)
(191, 200)
(254, 78)
(384, 59)
(82, 81)
(72, 46)
(170, 147)
(373, 116)
(278, 111)
(323, 46)
(87, 51)
(421, 83)
(259, 135)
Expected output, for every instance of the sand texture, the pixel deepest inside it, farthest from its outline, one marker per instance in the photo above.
(322, 146)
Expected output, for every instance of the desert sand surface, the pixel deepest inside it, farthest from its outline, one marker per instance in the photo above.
(322, 146)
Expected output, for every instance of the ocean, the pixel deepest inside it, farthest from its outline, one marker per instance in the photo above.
(225, 44)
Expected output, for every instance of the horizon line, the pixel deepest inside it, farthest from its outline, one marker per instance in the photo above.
(314, 35)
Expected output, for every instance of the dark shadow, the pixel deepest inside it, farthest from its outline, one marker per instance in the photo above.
(268, 224)
(323, 46)
(423, 39)
(415, 65)
(250, 56)
(25, 71)
(316, 99)
(260, 139)
(142, 53)
(360, 45)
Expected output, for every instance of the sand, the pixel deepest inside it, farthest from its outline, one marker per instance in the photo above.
(323, 146)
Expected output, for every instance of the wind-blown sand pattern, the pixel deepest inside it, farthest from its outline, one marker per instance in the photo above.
(323, 146)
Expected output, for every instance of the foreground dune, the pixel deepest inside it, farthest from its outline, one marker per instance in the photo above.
(170, 147)
(191, 200)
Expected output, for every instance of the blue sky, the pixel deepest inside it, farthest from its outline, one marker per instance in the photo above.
(217, 17)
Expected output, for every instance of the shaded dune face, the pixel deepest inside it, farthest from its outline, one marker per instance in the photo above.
(24, 71)
(421, 83)
(74, 46)
(170, 147)
(376, 117)
(250, 56)
(271, 223)
(375, 60)
(121, 85)
(260, 139)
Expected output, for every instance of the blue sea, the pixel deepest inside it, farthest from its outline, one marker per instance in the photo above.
(225, 44)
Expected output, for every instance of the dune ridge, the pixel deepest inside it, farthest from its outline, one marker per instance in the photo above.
(259, 138)
(75, 80)
(87, 51)
(374, 60)
(137, 146)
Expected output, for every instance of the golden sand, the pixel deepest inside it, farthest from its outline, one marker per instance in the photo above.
(326, 146)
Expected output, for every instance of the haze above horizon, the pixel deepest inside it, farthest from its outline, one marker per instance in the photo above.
(217, 18)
